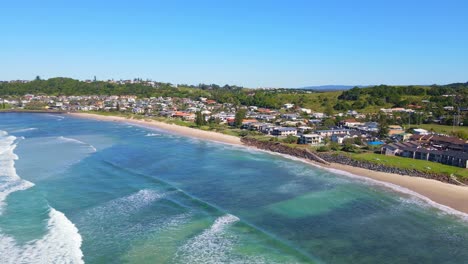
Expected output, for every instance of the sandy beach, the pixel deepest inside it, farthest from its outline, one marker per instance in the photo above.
(447, 195)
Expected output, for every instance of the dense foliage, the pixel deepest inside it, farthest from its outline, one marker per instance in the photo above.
(403, 96)
(427, 98)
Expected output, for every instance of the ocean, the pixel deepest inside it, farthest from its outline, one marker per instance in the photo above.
(74, 190)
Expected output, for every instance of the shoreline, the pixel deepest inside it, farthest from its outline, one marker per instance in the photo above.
(434, 192)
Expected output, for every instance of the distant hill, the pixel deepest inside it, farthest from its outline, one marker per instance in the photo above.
(331, 87)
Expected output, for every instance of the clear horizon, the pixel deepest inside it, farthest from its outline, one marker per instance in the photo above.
(246, 43)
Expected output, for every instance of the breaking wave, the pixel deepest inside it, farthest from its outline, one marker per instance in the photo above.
(212, 246)
(61, 244)
(127, 205)
(9, 181)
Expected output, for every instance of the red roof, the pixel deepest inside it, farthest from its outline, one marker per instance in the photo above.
(180, 114)
(264, 110)
(249, 121)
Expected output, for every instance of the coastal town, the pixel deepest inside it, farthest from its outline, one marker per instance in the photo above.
(293, 125)
(212, 132)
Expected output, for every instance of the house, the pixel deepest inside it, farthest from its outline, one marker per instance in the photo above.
(402, 136)
(311, 139)
(420, 131)
(415, 151)
(184, 115)
(264, 110)
(330, 132)
(290, 116)
(284, 131)
(350, 123)
(315, 121)
(306, 110)
(288, 106)
(319, 115)
(262, 127)
(304, 129)
(395, 130)
(249, 121)
(441, 142)
(369, 127)
(340, 137)
(449, 108)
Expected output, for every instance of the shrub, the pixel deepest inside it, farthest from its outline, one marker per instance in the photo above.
(323, 149)
(290, 139)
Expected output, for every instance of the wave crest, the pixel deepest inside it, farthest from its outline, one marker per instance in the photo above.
(212, 245)
(9, 181)
(73, 140)
(62, 244)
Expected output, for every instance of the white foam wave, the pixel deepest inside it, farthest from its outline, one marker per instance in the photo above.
(152, 135)
(24, 130)
(61, 244)
(9, 181)
(212, 246)
(73, 140)
(126, 205)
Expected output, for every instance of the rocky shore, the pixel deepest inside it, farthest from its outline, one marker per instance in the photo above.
(327, 158)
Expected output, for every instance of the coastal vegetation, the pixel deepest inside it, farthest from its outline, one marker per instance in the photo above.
(429, 102)
(428, 99)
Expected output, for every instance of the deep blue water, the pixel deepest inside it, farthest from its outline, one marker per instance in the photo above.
(74, 190)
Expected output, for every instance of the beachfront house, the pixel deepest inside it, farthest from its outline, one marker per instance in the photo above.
(413, 150)
(311, 139)
(330, 132)
(284, 131)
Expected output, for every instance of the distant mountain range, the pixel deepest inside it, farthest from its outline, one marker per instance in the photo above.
(331, 87)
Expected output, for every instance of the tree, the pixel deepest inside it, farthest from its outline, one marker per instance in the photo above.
(358, 140)
(239, 118)
(383, 127)
(348, 145)
(329, 110)
(334, 146)
(329, 122)
(200, 119)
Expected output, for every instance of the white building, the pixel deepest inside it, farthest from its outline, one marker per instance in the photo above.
(311, 139)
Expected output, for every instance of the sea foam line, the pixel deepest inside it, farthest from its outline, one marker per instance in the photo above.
(152, 135)
(24, 130)
(60, 117)
(73, 140)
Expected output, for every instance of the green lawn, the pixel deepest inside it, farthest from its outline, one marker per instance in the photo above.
(441, 128)
(407, 163)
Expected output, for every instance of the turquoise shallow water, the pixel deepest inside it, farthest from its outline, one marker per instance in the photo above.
(74, 190)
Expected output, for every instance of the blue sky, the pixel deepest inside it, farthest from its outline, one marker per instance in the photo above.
(251, 43)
